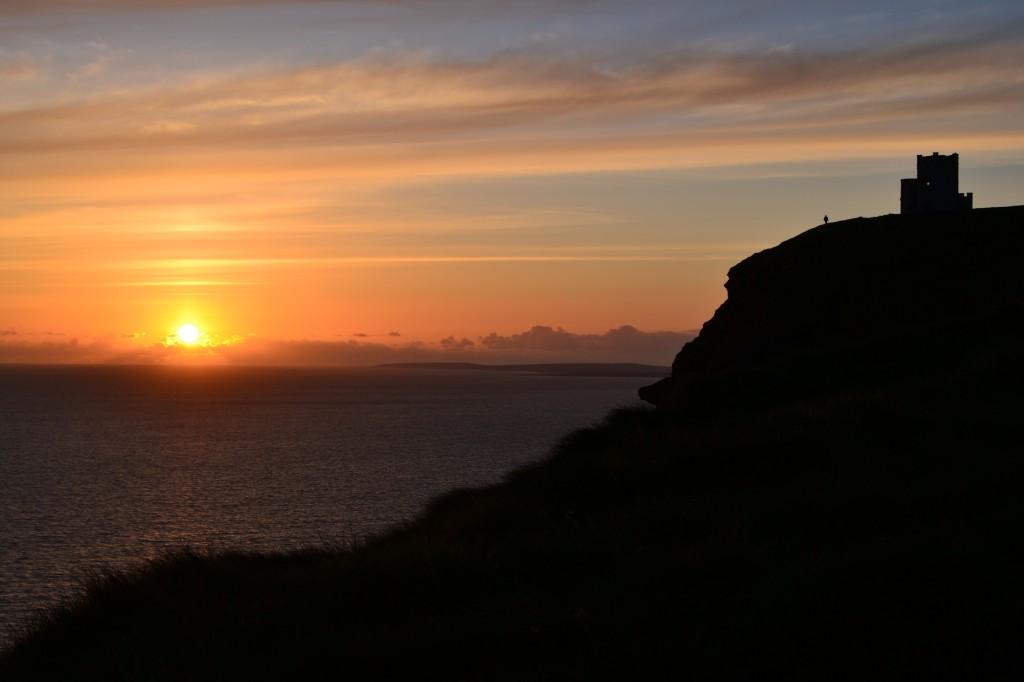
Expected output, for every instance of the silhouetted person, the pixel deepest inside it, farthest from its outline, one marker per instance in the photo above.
(826, 220)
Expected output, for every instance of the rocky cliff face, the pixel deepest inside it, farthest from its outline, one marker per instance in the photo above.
(860, 301)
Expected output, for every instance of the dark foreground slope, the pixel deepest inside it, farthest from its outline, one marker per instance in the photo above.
(864, 527)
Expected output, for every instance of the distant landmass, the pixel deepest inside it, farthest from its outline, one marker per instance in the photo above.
(829, 488)
(566, 369)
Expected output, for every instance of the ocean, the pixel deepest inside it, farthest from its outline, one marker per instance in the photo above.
(105, 467)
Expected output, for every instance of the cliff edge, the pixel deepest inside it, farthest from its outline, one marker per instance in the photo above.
(854, 303)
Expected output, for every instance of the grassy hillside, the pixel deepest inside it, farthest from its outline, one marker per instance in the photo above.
(863, 527)
(871, 533)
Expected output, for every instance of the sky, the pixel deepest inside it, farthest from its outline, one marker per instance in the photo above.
(362, 181)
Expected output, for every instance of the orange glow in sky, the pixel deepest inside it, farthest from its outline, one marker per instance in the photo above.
(290, 182)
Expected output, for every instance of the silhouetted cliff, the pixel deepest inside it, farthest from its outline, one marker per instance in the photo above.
(832, 492)
(854, 303)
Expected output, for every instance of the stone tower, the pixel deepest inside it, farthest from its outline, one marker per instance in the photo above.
(936, 187)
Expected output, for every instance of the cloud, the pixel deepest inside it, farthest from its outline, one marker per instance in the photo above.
(616, 343)
(15, 67)
(168, 127)
(99, 63)
(8, 332)
(55, 352)
(394, 334)
(537, 338)
(536, 345)
(324, 353)
(452, 344)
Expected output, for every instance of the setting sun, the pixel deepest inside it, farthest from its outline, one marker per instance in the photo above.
(189, 334)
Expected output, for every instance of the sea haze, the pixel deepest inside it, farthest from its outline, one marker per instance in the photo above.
(106, 466)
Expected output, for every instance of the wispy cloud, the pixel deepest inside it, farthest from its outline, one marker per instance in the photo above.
(16, 67)
(532, 98)
(228, 263)
(82, 6)
(101, 57)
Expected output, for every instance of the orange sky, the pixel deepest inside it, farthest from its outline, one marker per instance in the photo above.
(357, 173)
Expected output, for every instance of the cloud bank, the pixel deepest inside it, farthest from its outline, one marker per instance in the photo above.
(536, 345)
(620, 342)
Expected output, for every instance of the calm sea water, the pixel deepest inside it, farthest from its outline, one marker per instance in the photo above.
(105, 467)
